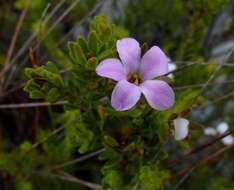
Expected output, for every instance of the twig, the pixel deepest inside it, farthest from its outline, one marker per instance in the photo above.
(191, 63)
(90, 14)
(198, 149)
(184, 178)
(68, 177)
(33, 36)
(220, 65)
(80, 159)
(30, 39)
(202, 85)
(65, 13)
(22, 50)
(13, 42)
(71, 178)
(54, 132)
(16, 33)
(189, 169)
(224, 97)
(135, 187)
(180, 68)
(31, 105)
(229, 64)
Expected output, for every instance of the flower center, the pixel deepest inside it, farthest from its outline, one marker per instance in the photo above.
(134, 78)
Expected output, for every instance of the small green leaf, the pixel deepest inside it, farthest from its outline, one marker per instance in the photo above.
(152, 178)
(36, 94)
(83, 44)
(53, 95)
(93, 43)
(76, 53)
(110, 141)
(113, 179)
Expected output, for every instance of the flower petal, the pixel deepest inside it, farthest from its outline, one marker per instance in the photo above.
(111, 68)
(158, 94)
(153, 64)
(181, 128)
(171, 67)
(125, 95)
(210, 131)
(222, 127)
(129, 52)
(228, 140)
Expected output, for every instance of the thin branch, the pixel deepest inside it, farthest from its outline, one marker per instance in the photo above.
(190, 168)
(198, 149)
(229, 64)
(90, 14)
(29, 41)
(180, 68)
(80, 159)
(185, 177)
(33, 36)
(22, 50)
(54, 132)
(191, 63)
(202, 85)
(220, 65)
(221, 98)
(68, 177)
(31, 105)
(13, 43)
(65, 13)
(135, 187)
(16, 33)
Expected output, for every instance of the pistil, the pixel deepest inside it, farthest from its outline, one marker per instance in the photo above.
(134, 78)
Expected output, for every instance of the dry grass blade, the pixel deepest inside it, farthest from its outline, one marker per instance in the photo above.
(65, 13)
(90, 14)
(13, 42)
(24, 48)
(16, 33)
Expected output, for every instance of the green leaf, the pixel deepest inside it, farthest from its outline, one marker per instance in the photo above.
(110, 141)
(47, 73)
(113, 180)
(53, 95)
(93, 43)
(45, 82)
(83, 44)
(76, 53)
(152, 178)
(77, 133)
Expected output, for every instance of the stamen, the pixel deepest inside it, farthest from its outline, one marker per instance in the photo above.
(134, 78)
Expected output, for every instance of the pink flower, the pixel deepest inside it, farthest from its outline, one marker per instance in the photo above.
(134, 75)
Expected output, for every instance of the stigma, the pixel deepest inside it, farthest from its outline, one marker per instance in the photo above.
(134, 78)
